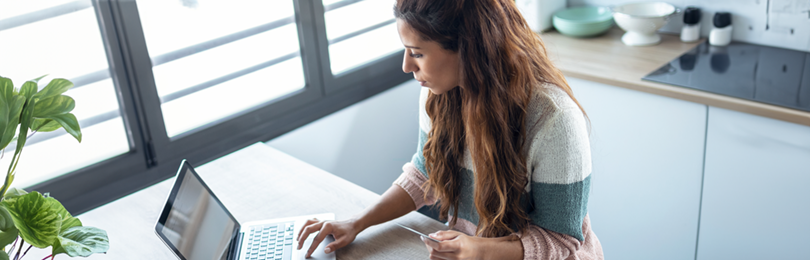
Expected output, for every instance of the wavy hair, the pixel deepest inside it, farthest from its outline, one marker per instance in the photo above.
(502, 61)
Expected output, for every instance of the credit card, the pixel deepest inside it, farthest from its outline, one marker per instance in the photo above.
(418, 233)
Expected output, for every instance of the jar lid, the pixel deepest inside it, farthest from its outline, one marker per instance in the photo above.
(691, 15)
(722, 19)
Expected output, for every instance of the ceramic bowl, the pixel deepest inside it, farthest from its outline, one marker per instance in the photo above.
(583, 21)
(642, 20)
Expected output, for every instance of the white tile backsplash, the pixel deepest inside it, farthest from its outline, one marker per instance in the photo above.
(779, 23)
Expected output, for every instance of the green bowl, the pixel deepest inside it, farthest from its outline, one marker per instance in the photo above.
(583, 21)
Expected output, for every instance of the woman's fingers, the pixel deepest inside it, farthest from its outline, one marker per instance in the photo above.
(434, 246)
(429, 248)
(445, 235)
(308, 229)
(307, 223)
(450, 246)
(444, 246)
(338, 243)
(436, 255)
(326, 229)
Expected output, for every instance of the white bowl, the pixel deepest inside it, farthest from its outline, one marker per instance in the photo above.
(641, 21)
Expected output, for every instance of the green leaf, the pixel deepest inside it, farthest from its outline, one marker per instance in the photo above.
(57, 248)
(3, 255)
(36, 80)
(5, 118)
(25, 122)
(71, 125)
(9, 130)
(8, 108)
(28, 90)
(44, 125)
(8, 236)
(53, 106)
(6, 89)
(37, 221)
(8, 232)
(54, 88)
(6, 82)
(14, 192)
(5, 219)
(68, 221)
(9, 180)
(83, 241)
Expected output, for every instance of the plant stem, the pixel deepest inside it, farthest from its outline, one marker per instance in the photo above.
(11, 168)
(51, 256)
(17, 256)
(12, 246)
(26, 251)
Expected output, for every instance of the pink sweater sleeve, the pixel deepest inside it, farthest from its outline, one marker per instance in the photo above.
(411, 181)
(539, 243)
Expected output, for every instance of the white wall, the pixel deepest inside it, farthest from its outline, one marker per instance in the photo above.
(366, 143)
(749, 19)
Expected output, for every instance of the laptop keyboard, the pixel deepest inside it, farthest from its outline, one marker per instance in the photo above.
(270, 242)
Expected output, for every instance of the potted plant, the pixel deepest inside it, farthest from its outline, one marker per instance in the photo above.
(31, 217)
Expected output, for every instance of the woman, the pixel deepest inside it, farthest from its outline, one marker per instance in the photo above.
(503, 148)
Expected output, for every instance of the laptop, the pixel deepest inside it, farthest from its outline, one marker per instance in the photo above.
(195, 225)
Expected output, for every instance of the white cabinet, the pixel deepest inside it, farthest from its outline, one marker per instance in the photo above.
(647, 153)
(756, 199)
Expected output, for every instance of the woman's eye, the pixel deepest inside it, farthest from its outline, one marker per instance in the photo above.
(414, 55)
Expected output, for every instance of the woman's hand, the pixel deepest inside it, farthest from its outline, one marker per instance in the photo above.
(344, 232)
(394, 203)
(453, 245)
(457, 245)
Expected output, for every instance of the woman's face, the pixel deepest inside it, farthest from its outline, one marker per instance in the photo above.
(433, 66)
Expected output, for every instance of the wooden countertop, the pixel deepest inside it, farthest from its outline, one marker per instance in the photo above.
(256, 183)
(607, 60)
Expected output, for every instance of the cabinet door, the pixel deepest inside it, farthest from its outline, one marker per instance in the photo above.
(755, 196)
(647, 153)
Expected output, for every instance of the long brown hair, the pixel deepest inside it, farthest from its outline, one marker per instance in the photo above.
(502, 61)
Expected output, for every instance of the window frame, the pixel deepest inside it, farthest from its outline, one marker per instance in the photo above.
(166, 148)
(70, 188)
(355, 77)
(154, 157)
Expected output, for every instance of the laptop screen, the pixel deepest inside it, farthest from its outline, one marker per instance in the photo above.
(194, 223)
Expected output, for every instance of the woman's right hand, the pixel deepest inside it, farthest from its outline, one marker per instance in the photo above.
(394, 203)
(344, 231)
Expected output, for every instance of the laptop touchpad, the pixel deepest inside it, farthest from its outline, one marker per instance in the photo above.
(318, 254)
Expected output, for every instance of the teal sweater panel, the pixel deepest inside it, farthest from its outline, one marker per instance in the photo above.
(556, 207)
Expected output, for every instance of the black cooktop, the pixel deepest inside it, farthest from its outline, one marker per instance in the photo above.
(759, 73)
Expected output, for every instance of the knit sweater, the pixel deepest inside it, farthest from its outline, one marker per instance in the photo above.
(559, 163)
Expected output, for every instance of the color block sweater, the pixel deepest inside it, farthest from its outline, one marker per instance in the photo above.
(559, 163)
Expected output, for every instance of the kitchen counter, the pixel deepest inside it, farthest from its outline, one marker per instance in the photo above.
(607, 60)
(257, 183)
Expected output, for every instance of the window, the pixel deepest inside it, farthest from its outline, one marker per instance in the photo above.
(206, 70)
(359, 32)
(160, 81)
(361, 42)
(61, 39)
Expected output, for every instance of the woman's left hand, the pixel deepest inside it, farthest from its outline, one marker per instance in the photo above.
(454, 245)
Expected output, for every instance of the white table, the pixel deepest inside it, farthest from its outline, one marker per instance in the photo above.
(255, 183)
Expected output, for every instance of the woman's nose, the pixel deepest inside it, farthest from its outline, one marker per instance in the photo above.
(408, 65)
